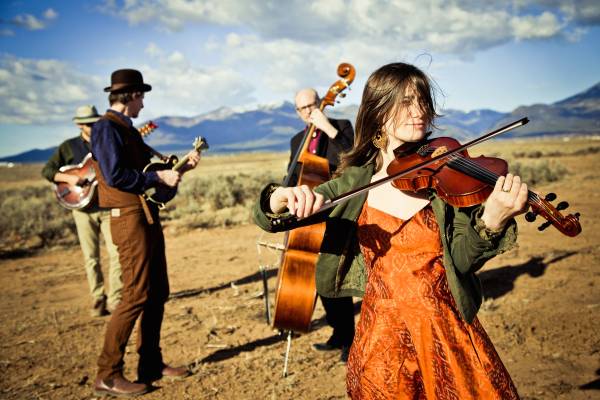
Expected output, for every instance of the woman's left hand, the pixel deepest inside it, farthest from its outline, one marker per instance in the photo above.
(508, 199)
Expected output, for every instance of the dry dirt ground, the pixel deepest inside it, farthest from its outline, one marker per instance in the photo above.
(542, 312)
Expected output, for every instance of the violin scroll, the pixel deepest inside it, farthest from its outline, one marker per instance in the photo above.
(568, 225)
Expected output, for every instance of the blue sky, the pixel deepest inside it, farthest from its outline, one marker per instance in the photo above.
(200, 55)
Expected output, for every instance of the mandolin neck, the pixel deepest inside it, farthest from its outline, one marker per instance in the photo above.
(181, 163)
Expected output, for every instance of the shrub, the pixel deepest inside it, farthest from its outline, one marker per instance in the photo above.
(539, 172)
(31, 216)
(218, 200)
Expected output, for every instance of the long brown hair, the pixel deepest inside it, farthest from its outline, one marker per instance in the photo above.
(383, 99)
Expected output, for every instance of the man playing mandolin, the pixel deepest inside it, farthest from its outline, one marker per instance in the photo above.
(91, 220)
(121, 156)
(331, 138)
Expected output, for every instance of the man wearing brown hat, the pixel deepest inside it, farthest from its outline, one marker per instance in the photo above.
(91, 220)
(121, 156)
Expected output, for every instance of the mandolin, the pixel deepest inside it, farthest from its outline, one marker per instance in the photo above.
(81, 195)
(162, 194)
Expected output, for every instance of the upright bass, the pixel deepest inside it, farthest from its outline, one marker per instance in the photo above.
(296, 286)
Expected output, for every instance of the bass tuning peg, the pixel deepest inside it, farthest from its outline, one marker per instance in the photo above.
(563, 205)
(530, 216)
(544, 226)
(550, 197)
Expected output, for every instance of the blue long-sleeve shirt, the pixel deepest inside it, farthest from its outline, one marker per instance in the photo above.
(108, 148)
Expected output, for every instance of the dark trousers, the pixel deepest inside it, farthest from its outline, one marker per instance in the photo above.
(339, 314)
(141, 249)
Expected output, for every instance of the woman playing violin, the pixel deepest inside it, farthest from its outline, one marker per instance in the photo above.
(411, 256)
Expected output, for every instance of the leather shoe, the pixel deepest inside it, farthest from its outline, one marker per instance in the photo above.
(120, 387)
(172, 373)
(99, 307)
(175, 373)
(325, 346)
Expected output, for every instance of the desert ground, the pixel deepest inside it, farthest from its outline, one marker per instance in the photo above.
(541, 309)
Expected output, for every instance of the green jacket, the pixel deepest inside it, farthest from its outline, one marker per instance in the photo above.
(70, 152)
(340, 269)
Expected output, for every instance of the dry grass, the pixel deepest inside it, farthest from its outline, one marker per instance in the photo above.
(222, 189)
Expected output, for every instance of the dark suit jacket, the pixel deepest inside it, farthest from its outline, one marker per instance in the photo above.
(327, 147)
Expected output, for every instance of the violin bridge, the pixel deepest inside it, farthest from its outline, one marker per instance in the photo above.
(439, 151)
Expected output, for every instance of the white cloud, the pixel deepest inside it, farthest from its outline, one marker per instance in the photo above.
(42, 91)
(28, 22)
(585, 12)
(153, 50)
(543, 26)
(50, 14)
(460, 26)
(287, 45)
(31, 22)
(233, 40)
(181, 88)
(48, 91)
(176, 57)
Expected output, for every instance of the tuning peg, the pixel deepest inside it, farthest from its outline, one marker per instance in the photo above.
(342, 95)
(550, 197)
(577, 215)
(530, 216)
(544, 226)
(562, 205)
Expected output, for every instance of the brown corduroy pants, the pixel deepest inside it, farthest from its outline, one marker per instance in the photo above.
(141, 249)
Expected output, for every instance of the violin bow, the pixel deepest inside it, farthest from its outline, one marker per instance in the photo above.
(353, 193)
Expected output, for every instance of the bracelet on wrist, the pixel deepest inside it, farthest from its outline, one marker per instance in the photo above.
(484, 232)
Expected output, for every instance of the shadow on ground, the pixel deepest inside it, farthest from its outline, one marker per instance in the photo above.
(224, 354)
(593, 385)
(500, 281)
(258, 276)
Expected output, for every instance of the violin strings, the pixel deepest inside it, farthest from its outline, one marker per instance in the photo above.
(485, 174)
(489, 177)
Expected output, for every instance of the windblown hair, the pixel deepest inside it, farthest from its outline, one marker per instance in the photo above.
(383, 99)
(122, 98)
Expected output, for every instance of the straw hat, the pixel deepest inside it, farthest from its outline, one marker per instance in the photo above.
(86, 115)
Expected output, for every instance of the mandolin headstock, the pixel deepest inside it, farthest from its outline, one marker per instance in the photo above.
(200, 144)
(147, 128)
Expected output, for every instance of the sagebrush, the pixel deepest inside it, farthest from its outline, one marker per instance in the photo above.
(31, 217)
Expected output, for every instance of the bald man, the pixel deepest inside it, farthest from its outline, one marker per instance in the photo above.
(331, 138)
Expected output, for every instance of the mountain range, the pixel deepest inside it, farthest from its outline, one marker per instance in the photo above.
(270, 127)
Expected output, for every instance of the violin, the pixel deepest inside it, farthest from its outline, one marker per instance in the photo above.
(444, 165)
(464, 181)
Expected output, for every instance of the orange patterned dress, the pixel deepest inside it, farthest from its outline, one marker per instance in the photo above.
(411, 342)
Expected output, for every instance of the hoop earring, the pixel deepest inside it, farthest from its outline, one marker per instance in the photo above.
(380, 141)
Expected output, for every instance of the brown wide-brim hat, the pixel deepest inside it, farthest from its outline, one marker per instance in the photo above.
(127, 80)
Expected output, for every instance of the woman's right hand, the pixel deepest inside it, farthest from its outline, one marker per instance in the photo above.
(301, 201)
